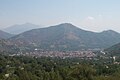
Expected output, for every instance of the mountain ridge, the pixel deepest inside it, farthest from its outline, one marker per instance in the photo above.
(5, 35)
(17, 29)
(67, 36)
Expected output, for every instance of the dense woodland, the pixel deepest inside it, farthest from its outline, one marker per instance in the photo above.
(32, 68)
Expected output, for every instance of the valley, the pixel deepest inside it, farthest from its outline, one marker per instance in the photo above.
(61, 52)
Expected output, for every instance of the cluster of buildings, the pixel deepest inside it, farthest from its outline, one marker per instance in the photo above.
(61, 54)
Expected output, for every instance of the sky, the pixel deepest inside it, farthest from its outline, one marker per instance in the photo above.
(92, 15)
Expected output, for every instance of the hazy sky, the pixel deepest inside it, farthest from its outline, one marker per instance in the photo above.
(93, 15)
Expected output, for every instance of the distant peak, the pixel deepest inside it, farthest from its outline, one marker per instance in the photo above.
(27, 23)
(110, 31)
(23, 24)
(67, 24)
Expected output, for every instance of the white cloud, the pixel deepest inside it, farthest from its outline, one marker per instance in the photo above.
(89, 21)
(90, 18)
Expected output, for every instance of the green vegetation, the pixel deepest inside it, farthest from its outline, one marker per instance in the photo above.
(32, 68)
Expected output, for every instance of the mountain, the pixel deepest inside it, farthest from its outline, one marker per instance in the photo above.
(17, 29)
(114, 50)
(5, 35)
(66, 37)
(7, 47)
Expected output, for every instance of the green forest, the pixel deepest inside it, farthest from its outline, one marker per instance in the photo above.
(45, 68)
